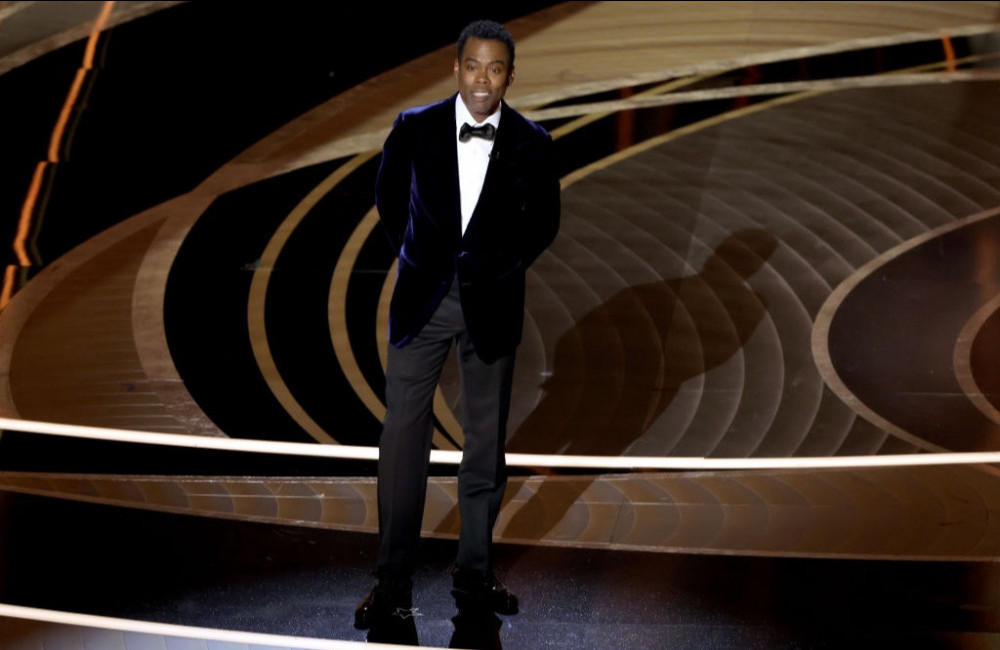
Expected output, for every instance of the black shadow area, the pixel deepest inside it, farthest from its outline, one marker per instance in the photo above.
(205, 309)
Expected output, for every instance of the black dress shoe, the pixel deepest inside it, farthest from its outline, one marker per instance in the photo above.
(395, 631)
(476, 591)
(389, 599)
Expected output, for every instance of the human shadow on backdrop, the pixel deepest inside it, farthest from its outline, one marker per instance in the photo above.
(622, 364)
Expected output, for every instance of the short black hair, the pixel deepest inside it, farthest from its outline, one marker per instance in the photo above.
(488, 30)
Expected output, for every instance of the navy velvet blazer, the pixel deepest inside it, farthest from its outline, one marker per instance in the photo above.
(517, 217)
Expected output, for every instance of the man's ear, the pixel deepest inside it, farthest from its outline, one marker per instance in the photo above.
(456, 68)
(510, 77)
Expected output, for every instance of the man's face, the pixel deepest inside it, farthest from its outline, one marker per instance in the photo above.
(483, 74)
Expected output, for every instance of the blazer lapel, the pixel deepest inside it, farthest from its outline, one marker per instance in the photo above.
(449, 158)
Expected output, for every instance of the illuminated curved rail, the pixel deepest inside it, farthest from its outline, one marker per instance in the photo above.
(250, 639)
(518, 460)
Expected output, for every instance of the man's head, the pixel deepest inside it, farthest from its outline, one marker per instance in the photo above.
(487, 30)
(484, 67)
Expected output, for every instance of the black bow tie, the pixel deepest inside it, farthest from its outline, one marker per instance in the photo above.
(486, 132)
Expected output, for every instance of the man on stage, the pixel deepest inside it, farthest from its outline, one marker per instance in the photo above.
(468, 194)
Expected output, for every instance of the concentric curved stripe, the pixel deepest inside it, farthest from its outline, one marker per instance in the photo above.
(258, 295)
(963, 359)
(830, 308)
(914, 513)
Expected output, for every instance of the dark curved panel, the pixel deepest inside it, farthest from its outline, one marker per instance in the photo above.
(893, 338)
(205, 307)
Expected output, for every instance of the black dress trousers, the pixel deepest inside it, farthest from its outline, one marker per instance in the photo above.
(412, 376)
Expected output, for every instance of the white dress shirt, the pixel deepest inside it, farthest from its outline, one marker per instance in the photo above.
(473, 159)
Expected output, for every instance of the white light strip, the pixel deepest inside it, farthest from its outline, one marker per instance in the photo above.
(514, 460)
(183, 631)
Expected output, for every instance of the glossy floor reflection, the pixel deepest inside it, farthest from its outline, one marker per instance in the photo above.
(305, 582)
(778, 241)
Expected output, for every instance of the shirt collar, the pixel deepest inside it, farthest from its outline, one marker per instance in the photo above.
(463, 116)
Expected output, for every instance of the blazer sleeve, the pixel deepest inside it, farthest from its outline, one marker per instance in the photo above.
(392, 185)
(540, 209)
